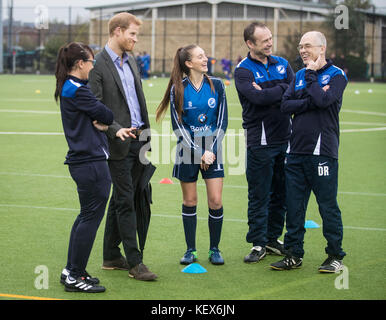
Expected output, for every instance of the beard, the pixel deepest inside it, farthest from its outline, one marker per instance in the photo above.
(126, 45)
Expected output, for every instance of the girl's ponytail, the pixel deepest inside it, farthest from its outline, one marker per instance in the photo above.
(68, 55)
(61, 71)
(178, 71)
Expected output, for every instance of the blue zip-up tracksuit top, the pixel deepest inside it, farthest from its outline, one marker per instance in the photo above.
(79, 108)
(262, 119)
(195, 129)
(315, 123)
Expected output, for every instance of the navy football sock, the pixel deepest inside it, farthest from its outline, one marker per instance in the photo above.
(215, 225)
(189, 219)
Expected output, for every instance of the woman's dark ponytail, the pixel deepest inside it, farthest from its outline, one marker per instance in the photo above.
(68, 55)
(61, 71)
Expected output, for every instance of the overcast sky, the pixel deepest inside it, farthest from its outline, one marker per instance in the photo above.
(58, 9)
(24, 9)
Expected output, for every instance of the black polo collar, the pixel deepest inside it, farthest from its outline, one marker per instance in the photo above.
(271, 60)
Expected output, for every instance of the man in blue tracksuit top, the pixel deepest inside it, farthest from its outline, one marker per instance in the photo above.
(314, 99)
(261, 80)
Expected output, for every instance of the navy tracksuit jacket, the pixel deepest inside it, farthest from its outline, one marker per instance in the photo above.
(79, 107)
(86, 159)
(267, 131)
(315, 124)
(262, 119)
(312, 161)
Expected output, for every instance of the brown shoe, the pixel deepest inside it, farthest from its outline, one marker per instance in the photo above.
(116, 264)
(141, 272)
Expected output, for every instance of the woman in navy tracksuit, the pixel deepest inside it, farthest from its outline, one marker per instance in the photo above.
(84, 119)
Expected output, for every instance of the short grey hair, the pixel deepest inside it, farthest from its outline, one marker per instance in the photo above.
(319, 36)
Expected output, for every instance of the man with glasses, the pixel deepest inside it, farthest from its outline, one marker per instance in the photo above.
(314, 100)
(261, 79)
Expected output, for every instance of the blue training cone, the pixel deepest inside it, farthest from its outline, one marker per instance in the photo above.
(194, 268)
(309, 224)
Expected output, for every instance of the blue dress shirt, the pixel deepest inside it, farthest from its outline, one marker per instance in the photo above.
(128, 84)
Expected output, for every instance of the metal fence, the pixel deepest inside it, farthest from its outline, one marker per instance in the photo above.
(32, 36)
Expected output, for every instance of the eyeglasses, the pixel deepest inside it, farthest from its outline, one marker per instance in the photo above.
(306, 46)
(92, 61)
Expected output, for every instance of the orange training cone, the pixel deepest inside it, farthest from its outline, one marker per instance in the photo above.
(166, 181)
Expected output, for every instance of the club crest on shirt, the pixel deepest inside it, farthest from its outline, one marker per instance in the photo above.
(325, 79)
(281, 69)
(212, 103)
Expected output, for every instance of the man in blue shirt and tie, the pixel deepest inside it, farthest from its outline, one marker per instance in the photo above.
(115, 80)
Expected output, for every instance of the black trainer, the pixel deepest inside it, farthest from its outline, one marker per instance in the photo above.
(81, 285)
(288, 263)
(257, 254)
(331, 265)
(275, 247)
(87, 276)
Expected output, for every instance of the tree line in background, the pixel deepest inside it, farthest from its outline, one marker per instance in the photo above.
(36, 50)
(347, 47)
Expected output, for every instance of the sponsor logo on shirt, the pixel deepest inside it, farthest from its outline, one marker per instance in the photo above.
(218, 168)
(200, 129)
(258, 76)
(190, 106)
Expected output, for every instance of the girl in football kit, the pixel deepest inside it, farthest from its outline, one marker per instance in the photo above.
(199, 119)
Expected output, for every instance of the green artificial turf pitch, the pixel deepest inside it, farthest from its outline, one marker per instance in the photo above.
(38, 204)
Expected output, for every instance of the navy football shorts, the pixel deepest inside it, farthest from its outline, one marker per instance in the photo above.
(189, 172)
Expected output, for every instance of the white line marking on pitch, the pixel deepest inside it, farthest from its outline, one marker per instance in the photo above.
(32, 133)
(171, 134)
(372, 113)
(29, 111)
(164, 215)
(199, 184)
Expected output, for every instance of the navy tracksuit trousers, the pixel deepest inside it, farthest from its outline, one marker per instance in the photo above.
(266, 193)
(93, 184)
(304, 173)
